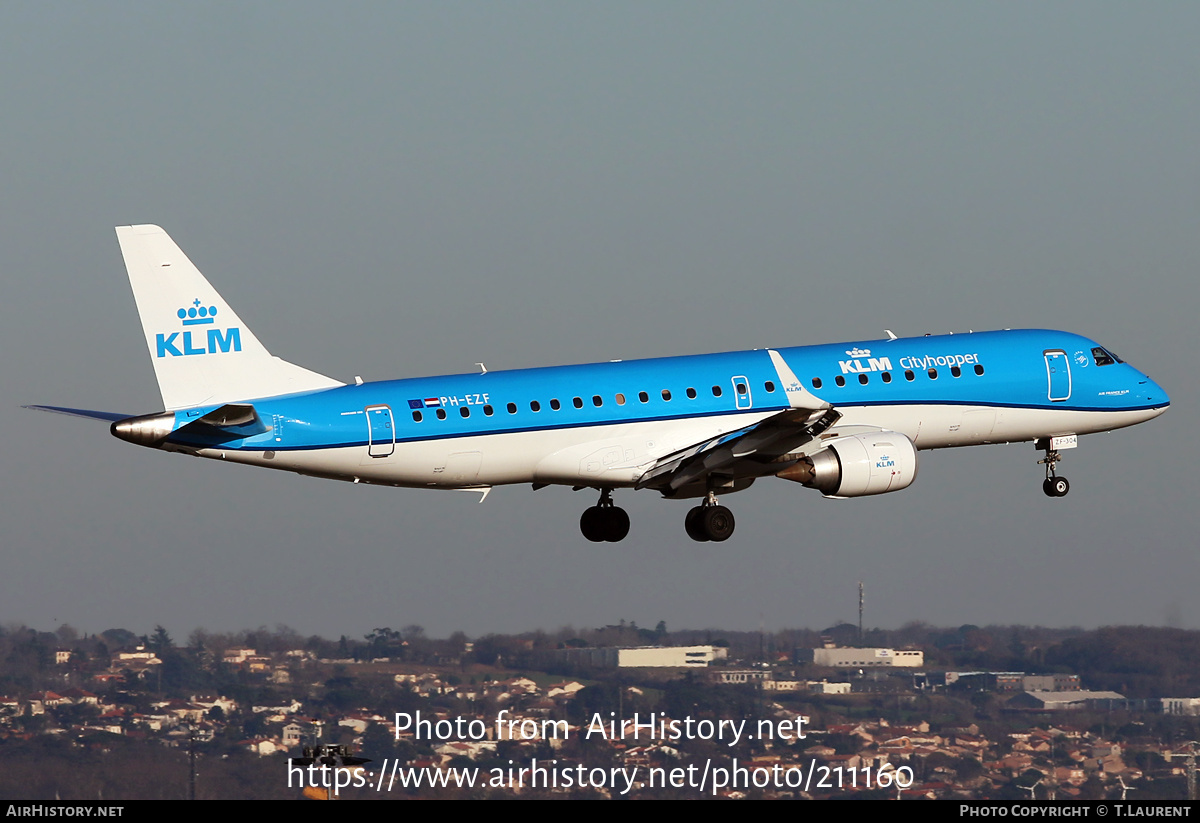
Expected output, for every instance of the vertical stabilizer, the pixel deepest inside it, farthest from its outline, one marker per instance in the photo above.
(201, 350)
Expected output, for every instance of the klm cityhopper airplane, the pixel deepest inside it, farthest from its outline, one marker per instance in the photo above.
(845, 419)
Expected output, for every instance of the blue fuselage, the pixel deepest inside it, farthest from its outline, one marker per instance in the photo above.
(1035, 370)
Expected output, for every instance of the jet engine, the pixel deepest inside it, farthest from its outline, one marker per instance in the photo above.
(858, 465)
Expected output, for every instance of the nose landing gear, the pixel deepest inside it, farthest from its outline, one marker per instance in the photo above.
(1053, 485)
(604, 522)
(709, 521)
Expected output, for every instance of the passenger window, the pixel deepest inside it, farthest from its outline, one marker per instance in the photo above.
(909, 376)
(716, 391)
(554, 404)
(465, 411)
(620, 400)
(741, 388)
(978, 369)
(416, 417)
(645, 398)
(769, 386)
(597, 401)
(666, 394)
(816, 381)
(955, 371)
(512, 408)
(487, 410)
(577, 402)
(841, 381)
(933, 374)
(441, 414)
(535, 405)
(886, 377)
(862, 378)
(691, 393)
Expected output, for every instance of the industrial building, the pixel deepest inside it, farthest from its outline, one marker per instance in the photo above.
(642, 656)
(861, 658)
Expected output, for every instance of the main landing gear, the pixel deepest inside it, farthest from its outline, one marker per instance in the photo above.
(709, 521)
(604, 522)
(1053, 485)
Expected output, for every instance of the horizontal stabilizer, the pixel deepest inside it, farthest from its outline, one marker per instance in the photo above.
(112, 417)
(233, 421)
(231, 415)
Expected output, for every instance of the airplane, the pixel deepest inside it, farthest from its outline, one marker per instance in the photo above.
(846, 419)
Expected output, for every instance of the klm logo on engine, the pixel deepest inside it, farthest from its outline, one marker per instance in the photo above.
(855, 365)
(199, 341)
(885, 462)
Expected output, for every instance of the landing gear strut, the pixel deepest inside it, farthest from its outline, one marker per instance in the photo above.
(1053, 485)
(709, 521)
(604, 522)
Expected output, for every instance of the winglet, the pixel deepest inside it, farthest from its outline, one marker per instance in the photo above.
(798, 396)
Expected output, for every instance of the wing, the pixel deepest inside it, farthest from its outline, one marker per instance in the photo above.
(757, 450)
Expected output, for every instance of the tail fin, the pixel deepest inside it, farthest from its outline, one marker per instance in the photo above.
(202, 351)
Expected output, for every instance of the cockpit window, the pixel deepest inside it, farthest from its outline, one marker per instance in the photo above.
(1103, 358)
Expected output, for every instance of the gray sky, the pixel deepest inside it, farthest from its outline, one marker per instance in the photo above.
(397, 190)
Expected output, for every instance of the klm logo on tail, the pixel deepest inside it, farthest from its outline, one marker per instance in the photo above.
(210, 341)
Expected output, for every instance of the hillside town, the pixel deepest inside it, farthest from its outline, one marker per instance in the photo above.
(562, 716)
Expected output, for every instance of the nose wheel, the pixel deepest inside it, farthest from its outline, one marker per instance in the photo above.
(1053, 485)
(709, 521)
(1056, 486)
(604, 522)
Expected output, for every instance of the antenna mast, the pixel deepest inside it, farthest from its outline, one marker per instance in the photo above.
(860, 612)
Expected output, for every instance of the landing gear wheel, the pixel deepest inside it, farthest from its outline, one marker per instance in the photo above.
(717, 522)
(693, 526)
(604, 522)
(1057, 487)
(616, 524)
(592, 523)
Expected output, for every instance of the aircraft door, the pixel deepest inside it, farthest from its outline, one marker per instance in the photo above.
(381, 431)
(1058, 373)
(741, 392)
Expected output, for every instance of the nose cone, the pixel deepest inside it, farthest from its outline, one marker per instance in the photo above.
(1156, 395)
(1150, 397)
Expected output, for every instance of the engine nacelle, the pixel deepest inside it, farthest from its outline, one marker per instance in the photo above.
(858, 465)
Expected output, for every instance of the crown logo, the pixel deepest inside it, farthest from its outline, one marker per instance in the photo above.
(197, 315)
(857, 352)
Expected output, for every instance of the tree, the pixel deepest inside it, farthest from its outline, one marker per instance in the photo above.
(160, 642)
(384, 642)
